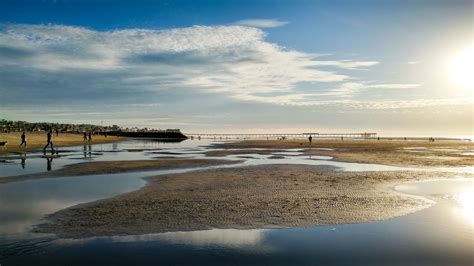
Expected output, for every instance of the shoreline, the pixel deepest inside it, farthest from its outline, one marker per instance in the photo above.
(37, 140)
(268, 196)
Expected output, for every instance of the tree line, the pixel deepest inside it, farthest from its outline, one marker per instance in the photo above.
(17, 126)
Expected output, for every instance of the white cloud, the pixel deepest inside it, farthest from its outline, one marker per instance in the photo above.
(262, 23)
(235, 60)
(413, 62)
(348, 64)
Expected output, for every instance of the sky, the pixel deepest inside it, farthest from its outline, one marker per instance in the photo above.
(241, 66)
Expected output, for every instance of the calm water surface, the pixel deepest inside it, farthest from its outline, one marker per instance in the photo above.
(440, 235)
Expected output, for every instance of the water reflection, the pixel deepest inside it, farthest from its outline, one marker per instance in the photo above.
(23, 204)
(23, 161)
(466, 202)
(49, 161)
(232, 238)
(87, 151)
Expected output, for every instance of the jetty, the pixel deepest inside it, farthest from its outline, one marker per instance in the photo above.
(168, 134)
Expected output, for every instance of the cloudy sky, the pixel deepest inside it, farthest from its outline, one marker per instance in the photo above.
(239, 66)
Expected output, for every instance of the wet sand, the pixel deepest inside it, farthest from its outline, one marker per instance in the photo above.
(111, 167)
(269, 196)
(396, 153)
(37, 140)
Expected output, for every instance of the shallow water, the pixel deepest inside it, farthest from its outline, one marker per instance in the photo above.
(140, 149)
(440, 235)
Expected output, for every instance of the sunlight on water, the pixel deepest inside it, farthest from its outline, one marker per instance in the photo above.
(466, 200)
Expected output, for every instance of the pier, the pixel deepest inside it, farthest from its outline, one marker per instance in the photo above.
(364, 135)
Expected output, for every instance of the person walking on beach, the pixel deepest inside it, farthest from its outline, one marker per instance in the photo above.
(49, 142)
(310, 140)
(90, 136)
(85, 136)
(23, 139)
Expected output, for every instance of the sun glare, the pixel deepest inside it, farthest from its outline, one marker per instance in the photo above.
(461, 69)
(466, 200)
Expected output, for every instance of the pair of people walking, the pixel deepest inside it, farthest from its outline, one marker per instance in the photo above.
(87, 137)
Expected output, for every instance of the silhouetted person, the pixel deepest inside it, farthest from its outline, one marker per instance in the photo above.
(105, 134)
(310, 140)
(342, 138)
(49, 141)
(85, 136)
(23, 139)
(90, 136)
(57, 132)
(378, 138)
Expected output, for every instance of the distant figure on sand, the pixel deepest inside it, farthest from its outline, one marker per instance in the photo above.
(85, 136)
(57, 131)
(310, 140)
(90, 136)
(23, 139)
(49, 142)
(342, 138)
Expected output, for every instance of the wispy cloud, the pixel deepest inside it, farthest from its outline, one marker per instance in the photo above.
(262, 23)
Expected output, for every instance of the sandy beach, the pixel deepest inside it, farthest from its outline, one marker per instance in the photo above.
(272, 196)
(262, 196)
(37, 140)
(396, 153)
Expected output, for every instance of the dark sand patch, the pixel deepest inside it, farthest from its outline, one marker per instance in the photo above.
(169, 153)
(226, 152)
(276, 157)
(110, 167)
(270, 196)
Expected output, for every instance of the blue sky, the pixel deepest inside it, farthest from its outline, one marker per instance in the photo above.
(238, 66)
